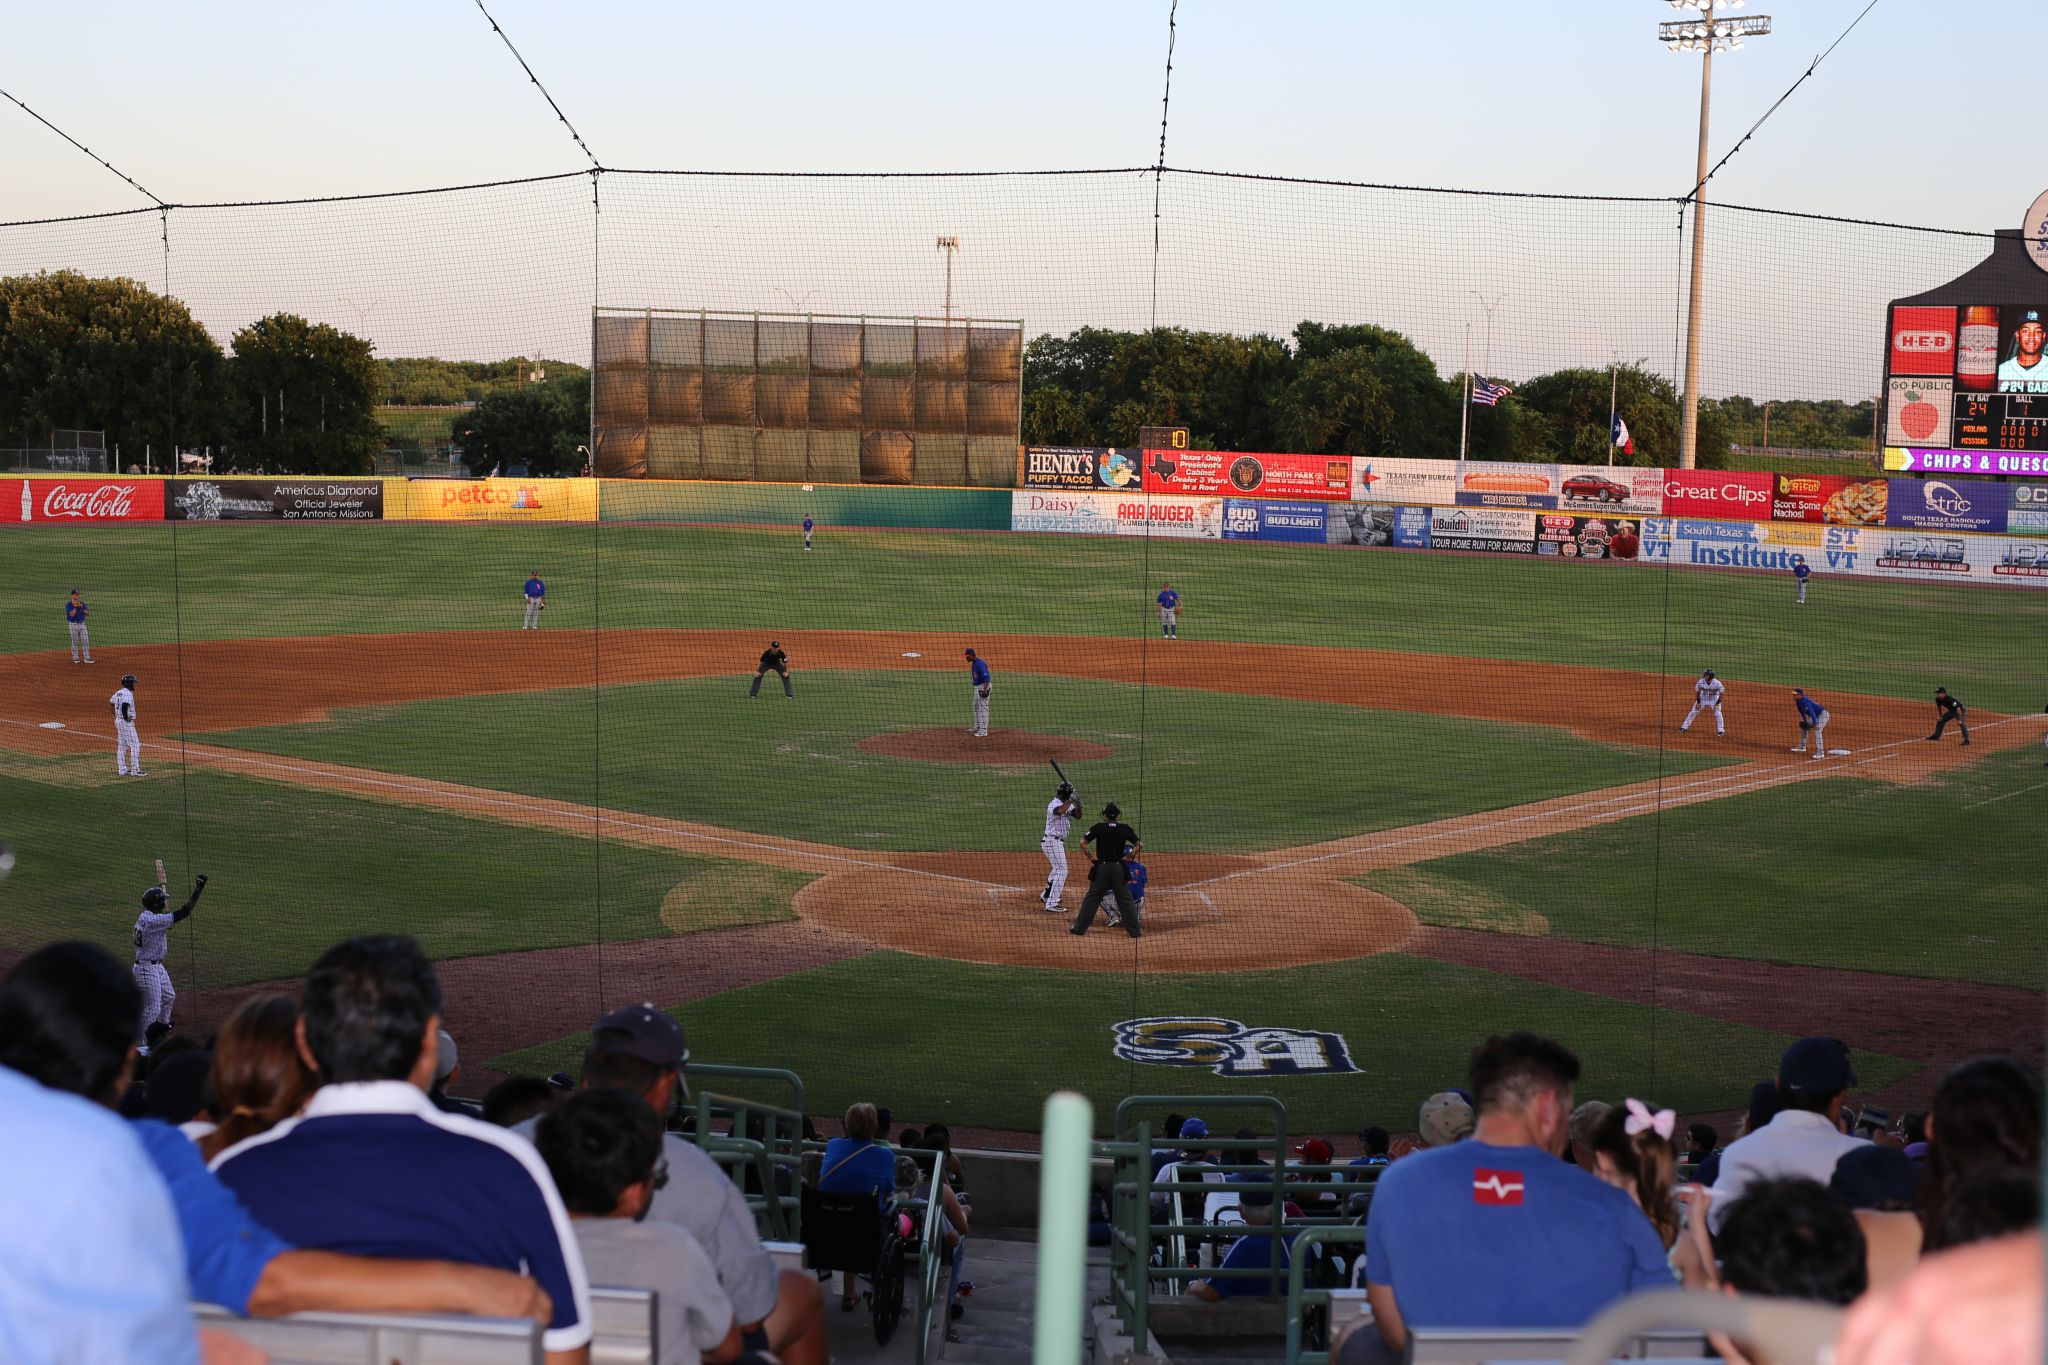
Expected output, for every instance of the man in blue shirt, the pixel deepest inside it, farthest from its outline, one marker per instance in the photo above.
(1496, 1231)
(371, 1167)
(1813, 720)
(1254, 1250)
(1169, 611)
(75, 612)
(536, 602)
(1799, 574)
(808, 524)
(977, 676)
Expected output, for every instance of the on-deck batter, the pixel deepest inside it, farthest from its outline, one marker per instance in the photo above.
(152, 938)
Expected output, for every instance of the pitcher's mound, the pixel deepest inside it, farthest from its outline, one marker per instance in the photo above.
(1005, 748)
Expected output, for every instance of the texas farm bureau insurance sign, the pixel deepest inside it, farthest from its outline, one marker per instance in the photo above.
(1230, 1048)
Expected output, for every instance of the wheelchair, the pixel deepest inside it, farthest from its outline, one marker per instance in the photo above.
(843, 1232)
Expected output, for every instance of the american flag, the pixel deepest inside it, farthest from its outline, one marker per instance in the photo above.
(1486, 395)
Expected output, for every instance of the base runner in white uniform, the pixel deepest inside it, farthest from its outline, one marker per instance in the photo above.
(127, 743)
(152, 939)
(1059, 818)
(1706, 696)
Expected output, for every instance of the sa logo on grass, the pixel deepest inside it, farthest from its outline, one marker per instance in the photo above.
(1229, 1048)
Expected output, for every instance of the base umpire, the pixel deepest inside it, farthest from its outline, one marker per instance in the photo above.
(1111, 842)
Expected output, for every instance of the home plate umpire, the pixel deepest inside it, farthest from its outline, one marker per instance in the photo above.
(1112, 842)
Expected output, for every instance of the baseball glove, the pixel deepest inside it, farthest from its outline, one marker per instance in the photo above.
(1806, 725)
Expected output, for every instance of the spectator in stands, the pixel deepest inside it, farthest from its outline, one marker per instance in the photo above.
(519, 1098)
(885, 1124)
(371, 1164)
(68, 1018)
(1630, 1149)
(1496, 1231)
(258, 1079)
(604, 1149)
(1987, 1114)
(912, 1139)
(1444, 1118)
(1314, 1152)
(1977, 1305)
(641, 1049)
(1880, 1186)
(1254, 1250)
(913, 1181)
(1377, 1143)
(858, 1163)
(177, 1093)
(1585, 1119)
(1990, 1203)
(939, 1138)
(1170, 1131)
(1763, 1107)
(1804, 1138)
(1785, 1238)
(1701, 1142)
(447, 1067)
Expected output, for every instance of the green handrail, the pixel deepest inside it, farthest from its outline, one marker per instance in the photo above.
(780, 1215)
(931, 1252)
(1300, 1297)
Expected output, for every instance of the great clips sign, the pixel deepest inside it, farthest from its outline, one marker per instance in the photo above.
(66, 502)
(1735, 495)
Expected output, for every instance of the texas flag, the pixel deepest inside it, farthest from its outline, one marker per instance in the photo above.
(1621, 437)
(1499, 1188)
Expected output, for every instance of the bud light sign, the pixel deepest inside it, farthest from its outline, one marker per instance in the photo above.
(1248, 519)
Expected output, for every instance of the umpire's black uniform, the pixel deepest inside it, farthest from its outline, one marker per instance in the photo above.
(1112, 842)
(773, 657)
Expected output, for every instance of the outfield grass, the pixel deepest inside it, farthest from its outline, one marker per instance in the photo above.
(296, 871)
(906, 1032)
(1222, 772)
(1939, 880)
(1896, 639)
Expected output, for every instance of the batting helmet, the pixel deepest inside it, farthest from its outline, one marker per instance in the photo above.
(127, 680)
(154, 899)
(1066, 790)
(1708, 674)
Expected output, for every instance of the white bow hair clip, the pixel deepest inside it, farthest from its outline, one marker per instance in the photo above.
(1665, 1121)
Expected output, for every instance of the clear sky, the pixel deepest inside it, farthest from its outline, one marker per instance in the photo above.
(1906, 122)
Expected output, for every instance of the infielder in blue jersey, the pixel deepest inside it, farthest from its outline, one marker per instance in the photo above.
(536, 602)
(1799, 573)
(75, 612)
(978, 678)
(1813, 719)
(1169, 612)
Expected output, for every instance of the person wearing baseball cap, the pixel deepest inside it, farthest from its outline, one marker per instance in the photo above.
(2024, 370)
(1445, 1117)
(1805, 1137)
(641, 1048)
(1254, 1250)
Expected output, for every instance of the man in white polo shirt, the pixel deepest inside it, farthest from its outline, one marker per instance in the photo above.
(1806, 1137)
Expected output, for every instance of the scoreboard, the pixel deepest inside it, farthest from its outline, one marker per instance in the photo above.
(1971, 377)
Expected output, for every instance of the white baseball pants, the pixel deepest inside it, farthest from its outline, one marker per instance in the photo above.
(1055, 851)
(532, 621)
(81, 642)
(158, 995)
(1169, 621)
(127, 748)
(980, 713)
(1720, 728)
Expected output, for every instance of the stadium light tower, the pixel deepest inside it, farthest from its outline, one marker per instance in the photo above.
(1711, 32)
(950, 245)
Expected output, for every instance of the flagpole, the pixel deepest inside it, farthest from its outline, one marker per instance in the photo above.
(1465, 408)
(1613, 379)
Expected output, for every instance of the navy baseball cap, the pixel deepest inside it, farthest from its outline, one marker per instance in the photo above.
(1871, 1177)
(640, 1031)
(1816, 1066)
(2031, 315)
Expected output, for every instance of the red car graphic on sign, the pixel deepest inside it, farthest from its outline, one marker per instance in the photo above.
(1595, 487)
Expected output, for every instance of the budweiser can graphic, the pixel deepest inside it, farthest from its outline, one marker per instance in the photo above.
(1977, 348)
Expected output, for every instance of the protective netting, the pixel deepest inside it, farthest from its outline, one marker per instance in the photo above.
(1390, 800)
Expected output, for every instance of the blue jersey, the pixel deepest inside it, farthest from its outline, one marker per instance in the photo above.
(74, 611)
(807, 525)
(1169, 599)
(1809, 709)
(1137, 871)
(1800, 571)
(536, 588)
(980, 672)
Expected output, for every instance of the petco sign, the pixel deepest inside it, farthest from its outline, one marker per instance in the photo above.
(1739, 496)
(68, 501)
(1229, 1048)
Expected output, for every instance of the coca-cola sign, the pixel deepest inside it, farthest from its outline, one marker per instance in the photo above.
(64, 502)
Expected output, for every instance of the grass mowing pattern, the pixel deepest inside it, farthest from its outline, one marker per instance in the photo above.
(1225, 773)
(296, 871)
(1409, 1024)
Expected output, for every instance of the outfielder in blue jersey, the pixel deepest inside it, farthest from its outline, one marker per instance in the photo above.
(1799, 573)
(1813, 720)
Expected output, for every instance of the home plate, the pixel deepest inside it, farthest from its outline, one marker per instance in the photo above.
(51, 725)
(912, 654)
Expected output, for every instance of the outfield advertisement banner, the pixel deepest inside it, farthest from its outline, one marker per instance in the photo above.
(1915, 460)
(1081, 469)
(1416, 483)
(1255, 519)
(276, 500)
(1180, 518)
(1498, 530)
(1725, 494)
(1222, 472)
(65, 502)
(1085, 514)
(1615, 488)
(1491, 483)
(1836, 499)
(1580, 537)
(2028, 513)
(1948, 505)
(492, 500)
(1952, 558)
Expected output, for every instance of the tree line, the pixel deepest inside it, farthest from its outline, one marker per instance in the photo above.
(301, 397)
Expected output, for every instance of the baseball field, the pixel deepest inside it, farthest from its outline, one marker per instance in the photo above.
(1389, 802)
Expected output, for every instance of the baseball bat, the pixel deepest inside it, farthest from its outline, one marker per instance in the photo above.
(162, 878)
(1061, 771)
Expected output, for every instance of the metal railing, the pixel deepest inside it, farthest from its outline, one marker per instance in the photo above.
(1301, 1298)
(773, 1159)
(931, 1263)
